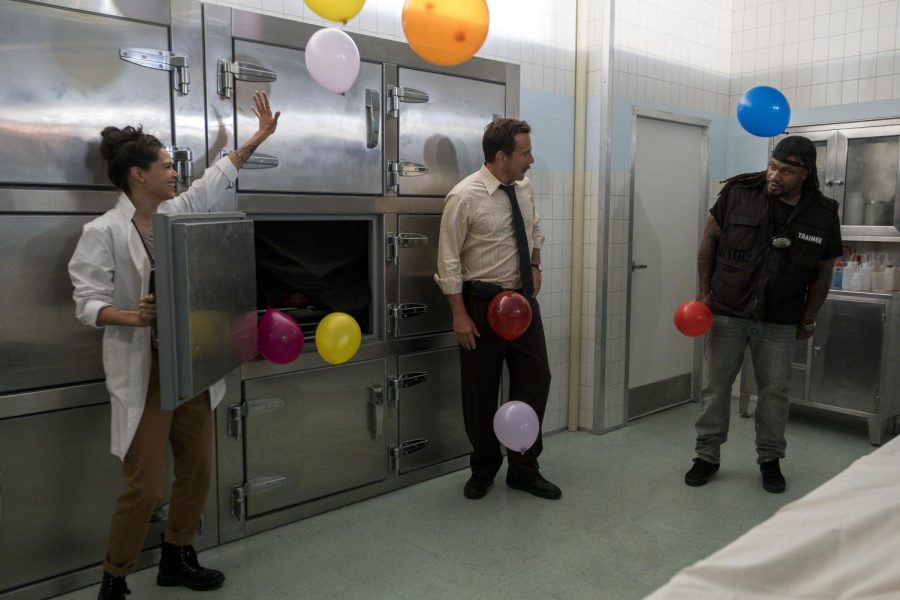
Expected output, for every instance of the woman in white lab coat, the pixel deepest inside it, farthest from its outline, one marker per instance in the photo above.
(111, 271)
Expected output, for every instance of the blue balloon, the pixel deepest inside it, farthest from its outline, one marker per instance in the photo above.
(763, 111)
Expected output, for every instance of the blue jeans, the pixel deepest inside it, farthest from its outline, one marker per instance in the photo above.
(771, 348)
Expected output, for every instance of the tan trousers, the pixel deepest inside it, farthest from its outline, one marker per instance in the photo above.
(189, 429)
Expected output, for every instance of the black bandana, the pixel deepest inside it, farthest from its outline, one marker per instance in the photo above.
(796, 150)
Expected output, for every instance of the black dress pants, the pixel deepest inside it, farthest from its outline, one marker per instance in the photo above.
(482, 369)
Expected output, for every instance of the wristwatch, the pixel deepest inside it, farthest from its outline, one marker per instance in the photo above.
(808, 327)
(538, 267)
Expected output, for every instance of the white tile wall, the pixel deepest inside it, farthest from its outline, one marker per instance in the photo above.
(817, 52)
(675, 53)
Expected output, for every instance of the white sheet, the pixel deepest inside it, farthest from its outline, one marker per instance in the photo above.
(840, 541)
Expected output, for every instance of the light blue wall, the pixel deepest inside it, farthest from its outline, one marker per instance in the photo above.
(748, 153)
(552, 120)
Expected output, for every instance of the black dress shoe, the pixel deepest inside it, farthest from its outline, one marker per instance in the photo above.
(539, 487)
(477, 487)
(701, 472)
(772, 479)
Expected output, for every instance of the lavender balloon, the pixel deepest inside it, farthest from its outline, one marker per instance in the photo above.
(332, 59)
(280, 338)
(516, 425)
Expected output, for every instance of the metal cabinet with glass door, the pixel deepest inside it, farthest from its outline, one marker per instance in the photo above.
(849, 365)
(859, 166)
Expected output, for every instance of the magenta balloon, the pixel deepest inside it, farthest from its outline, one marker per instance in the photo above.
(516, 425)
(332, 59)
(280, 338)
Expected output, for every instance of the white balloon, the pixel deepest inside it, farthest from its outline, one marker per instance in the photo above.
(332, 59)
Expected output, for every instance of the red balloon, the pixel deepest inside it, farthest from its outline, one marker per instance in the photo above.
(509, 314)
(280, 338)
(693, 318)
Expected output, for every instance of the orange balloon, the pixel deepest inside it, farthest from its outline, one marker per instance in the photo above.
(445, 32)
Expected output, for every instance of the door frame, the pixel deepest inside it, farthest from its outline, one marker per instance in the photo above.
(639, 112)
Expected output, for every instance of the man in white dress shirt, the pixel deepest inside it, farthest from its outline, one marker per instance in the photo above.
(491, 241)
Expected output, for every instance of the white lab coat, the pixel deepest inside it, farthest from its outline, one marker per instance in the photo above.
(110, 267)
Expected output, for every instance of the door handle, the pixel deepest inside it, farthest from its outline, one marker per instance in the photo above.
(834, 182)
(635, 266)
(373, 118)
(376, 403)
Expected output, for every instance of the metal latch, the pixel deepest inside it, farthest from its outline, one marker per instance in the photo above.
(403, 168)
(183, 159)
(250, 408)
(257, 160)
(395, 241)
(241, 71)
(404, 381)
(376, 403)
(164, 61)
(373, 117)
(160, 514)
(403, 311)
(260, 485)
(397, 94)
(404, 449)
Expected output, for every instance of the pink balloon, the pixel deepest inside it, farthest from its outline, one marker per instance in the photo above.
(280, 338)
(516, 425)
(332, 59)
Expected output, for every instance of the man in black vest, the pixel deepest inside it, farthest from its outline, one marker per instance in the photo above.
(491, 240)
(764, 266)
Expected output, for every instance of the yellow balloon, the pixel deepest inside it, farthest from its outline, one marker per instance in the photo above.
(336, 10)
(338, 337)
(445, 32)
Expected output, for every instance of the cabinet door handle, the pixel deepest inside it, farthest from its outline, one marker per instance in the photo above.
(817, 349)
(373, 117)
(376, 402)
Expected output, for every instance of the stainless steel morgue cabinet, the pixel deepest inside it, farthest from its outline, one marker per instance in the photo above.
(344, 203)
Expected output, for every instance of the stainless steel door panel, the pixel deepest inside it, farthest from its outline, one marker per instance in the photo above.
(415, 282)
(323, 440)
(432, 410)
(206, 286)
(41, 342)
(59, 483)
(847, 351)
(322, 138)
(445, 133)
(63, 83)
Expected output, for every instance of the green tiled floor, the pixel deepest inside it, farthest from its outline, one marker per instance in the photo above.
(625, 525)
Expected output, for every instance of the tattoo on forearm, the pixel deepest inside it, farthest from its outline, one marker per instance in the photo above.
(242, 154)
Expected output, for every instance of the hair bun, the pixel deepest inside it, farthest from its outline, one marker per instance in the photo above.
(114, 138)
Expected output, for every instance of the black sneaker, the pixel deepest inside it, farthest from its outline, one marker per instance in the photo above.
(701, 472)
(477, 487)
(772, 479)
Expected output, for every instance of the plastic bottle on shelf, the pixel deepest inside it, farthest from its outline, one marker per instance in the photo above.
(866, 270)
(850, 269)
(854, 283)
(837, 274)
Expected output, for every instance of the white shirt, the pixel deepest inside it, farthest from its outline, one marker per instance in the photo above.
(110, 267)
(478, 239)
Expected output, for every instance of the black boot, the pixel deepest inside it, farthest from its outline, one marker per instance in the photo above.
(112, 588)
(179, 566)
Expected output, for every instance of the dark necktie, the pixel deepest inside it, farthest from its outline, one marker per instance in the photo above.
(521, 242)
